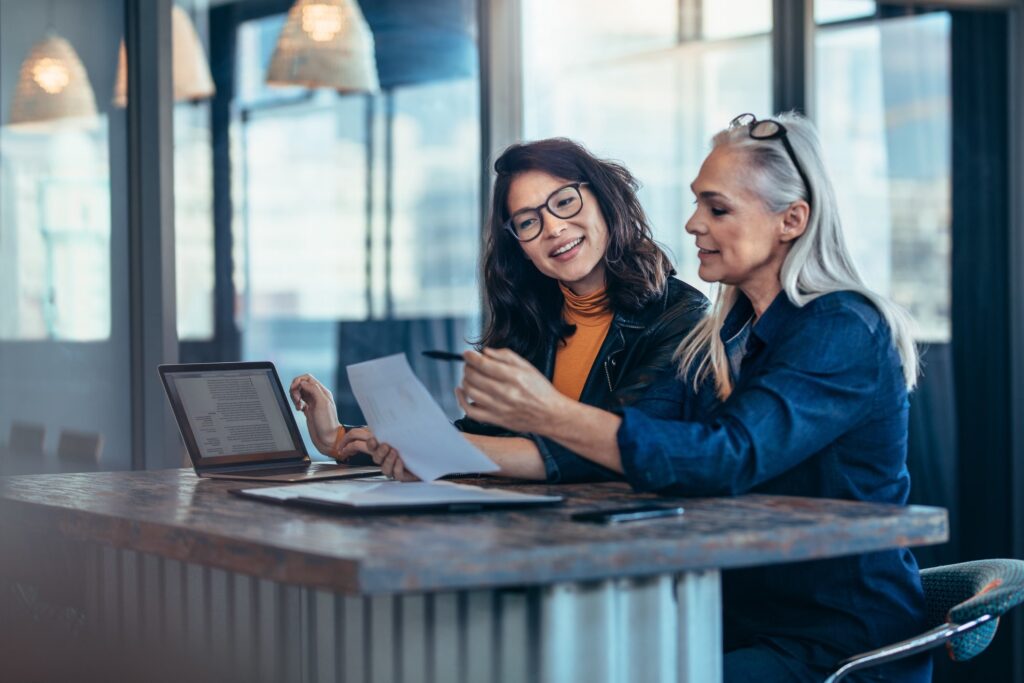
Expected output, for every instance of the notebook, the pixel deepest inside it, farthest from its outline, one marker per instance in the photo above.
(380, 495)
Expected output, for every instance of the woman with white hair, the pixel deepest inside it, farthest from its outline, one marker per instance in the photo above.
(795, 383)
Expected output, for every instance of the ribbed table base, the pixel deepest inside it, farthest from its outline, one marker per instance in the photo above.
(657, 630)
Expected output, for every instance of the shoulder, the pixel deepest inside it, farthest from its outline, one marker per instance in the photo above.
(676, 311)
(839, 328)
(851, 306)
(678, 293)
(845, 310)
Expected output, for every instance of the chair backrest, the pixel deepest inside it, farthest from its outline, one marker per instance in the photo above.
(959, 593)
(26, 439)
(79, 447)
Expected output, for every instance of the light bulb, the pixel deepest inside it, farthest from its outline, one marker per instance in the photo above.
(321, 22)
(51, 75)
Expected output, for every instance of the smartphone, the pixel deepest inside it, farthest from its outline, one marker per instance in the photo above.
(629, 514)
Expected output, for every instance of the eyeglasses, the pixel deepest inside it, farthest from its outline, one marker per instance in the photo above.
(769, 129)
(565, 202)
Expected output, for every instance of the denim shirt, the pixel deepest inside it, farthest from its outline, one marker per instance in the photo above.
(819, 408)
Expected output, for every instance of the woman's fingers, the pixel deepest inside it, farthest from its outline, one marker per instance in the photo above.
(460, 397)
(398, 470)
(482, 389)
(294, 392)
(487, 366)
(472, 410)
(304, 389)
(387, 466)
(506, 356)
(355, 441)
(352, 448)
(390, 461)
(376, 451)
(356, 434)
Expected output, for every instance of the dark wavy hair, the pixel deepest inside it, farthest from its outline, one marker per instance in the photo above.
(524, 306)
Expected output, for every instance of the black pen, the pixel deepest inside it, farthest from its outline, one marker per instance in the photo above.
(443, 355)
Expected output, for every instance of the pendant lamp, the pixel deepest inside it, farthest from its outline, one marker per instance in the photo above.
(190, 70)
(52, 85)
(325, 44)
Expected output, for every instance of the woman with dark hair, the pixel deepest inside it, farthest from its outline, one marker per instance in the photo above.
(575, 283)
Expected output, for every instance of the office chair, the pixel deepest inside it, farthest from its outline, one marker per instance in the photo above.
(966, 601)
(26, 439)
(78, 450)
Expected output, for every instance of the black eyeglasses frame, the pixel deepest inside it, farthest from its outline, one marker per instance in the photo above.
(778, 133)
(538, 209)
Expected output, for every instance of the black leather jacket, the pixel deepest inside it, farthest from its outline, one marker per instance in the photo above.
(637, 350)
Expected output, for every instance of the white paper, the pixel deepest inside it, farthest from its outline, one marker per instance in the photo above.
(402, 413)
(369, 494)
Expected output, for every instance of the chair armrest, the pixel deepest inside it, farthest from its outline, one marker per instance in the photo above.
(905, 648)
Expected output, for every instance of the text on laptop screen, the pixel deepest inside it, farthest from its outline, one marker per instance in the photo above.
(233, 412)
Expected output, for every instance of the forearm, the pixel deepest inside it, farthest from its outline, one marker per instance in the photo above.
(588, 431)
(517, 457)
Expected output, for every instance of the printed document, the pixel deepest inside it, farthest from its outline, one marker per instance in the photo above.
(401, 412)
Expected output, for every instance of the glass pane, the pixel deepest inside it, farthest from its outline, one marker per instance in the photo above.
(687, 93)
(63, 239)
(55, 194)
(193, 220)
(355, 216)
(303, 213)
(826, 11)
(560, 36)
(886, 125)
(735, 18)
(436, 234)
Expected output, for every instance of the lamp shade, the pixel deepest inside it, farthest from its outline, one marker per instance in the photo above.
(190, 69)
(52, 85)
(325, 44)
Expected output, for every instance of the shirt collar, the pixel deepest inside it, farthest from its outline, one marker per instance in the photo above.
(768, 326)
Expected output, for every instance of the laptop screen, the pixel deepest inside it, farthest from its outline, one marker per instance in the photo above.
(232, 413)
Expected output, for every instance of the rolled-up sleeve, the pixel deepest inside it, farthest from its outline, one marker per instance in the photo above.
(808, 394)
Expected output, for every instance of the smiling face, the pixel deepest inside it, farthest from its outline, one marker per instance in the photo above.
(570, 250)
(740, 242)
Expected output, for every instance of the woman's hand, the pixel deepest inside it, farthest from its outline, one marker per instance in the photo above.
(390, 461)
(316, 402)
(500, 387)
(354, 441)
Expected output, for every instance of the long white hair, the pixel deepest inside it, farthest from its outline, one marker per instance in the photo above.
(817, 263)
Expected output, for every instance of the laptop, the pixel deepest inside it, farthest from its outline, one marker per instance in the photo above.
(237, 423)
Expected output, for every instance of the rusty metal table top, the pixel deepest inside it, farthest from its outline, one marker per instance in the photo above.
(174, 514)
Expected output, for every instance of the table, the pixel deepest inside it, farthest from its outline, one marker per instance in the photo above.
(159, 572)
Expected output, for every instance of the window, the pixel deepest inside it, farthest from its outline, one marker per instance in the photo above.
(883, 109)
(648, 87)
(55, 230)
(64, 329)
(193, 220)
(355, 217)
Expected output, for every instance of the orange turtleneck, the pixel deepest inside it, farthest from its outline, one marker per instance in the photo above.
(592, 318)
